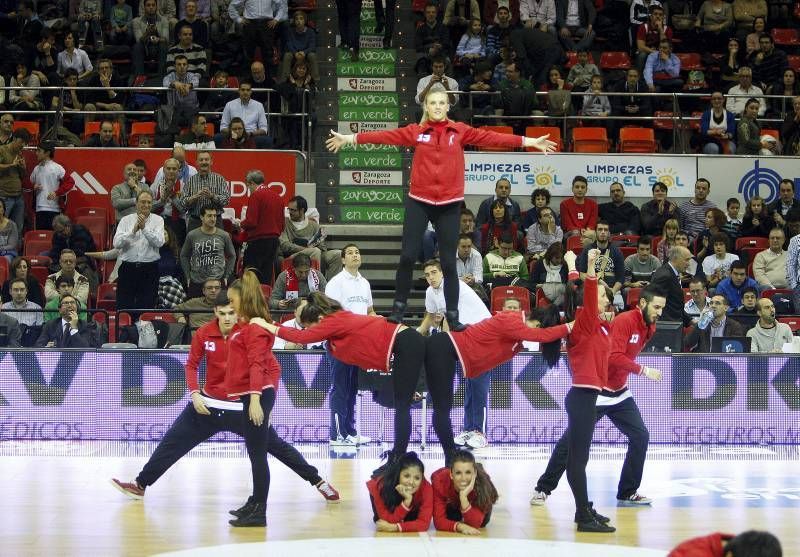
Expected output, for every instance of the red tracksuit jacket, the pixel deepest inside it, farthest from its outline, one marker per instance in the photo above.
(437, 169)
(360, 340)
(422, 502)
(629, 334)
(488, 343)
(444, 495)
(576, 217)
(252, 366)
(706, 546)
(208, 341)
(588, 344)
(265, 217)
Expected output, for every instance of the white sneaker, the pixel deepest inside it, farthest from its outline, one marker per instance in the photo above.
(359, 439)
(477, 440)
(538, 499)
(342, 442)
(635, 500)
(462, 438)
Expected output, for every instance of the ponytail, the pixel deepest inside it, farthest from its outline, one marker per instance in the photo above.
(318, 305)
(485, 492)
(252, 302)
(548, 316)
(390, 477)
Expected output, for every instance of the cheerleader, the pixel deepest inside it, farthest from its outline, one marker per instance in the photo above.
(401, 497)
(463, 496)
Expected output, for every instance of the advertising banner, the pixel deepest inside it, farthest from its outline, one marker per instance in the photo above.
(366, 84)
(369, 113)
(528, 171)
(96, 171)
(370, 177)
(372, 214)
(135, 395)
(370, 195)
(368, 100)
(356, 127)
(364, 69)
(746, 177)
(361, 159)
(370, 55)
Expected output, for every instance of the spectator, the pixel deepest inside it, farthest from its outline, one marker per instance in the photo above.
(479, 81)
(10, 332)
(74, 58)
(622, 216)
(25, 99)
(733, 60)
(69, 102)
(594, 102)
(499, 34)
(104, 139)
(106, 99)
(748, 306)
(717, 265)
(295, 283)
(699, 301)
(185, 170)
(431, 40)
(90, 16)
(648, 35)
(717, 128)
(536, 52)
(211, 288)
(29, 28)
(262, 226)
(503, 265)
(768, 63)
(667, 280)
(196, 22)
(632, 103)
(196, 138)
(251, 112)
(550, 274)
(769, 335)
(472, 45)
(758, 28)
(787, 86)
(67, 330)
(65, 286)
(757, 220)
(207, 253)
(195, 54)
(663, 69)
(299, 92)
(6, 125)
(457, 15)
(49, 180)
(30, 319)
(542, 234)
(20, 269)
(786, 201)
(120, 17)
(738, 95)
(171, 292)
(260, 80)
(74, 237)
(790, 130)
(733, 286)
(259, 23)
(165, 190)
(68, 261)
(793, 257)
(580, 75)
(609, 265)
(225, 33)
(469, 265)
(182, 96)
(204, 189)
(500, 225)
(502, 192)
(699, 340)
(745, 13)
(203, 9)
(656, 212)
(559, 97)
(12, 170)
(669, 238)
(385, 20)
(539, 15)
(139, 237)
(540, 198)
(302, 235)
(301, 46)
(748, 132)
(578, 214)
(238, 138)
(438, 64)
(517, 97)
(693, 211)
(466, 226)
(164, 8)
(734, 223)
(151, 33)
(216, 100)
(124, 194)
(575, 20)
(715, 23)
(640, 266)
(770, 265)
(715, 219)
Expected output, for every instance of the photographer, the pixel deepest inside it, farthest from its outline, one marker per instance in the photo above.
(438, 65)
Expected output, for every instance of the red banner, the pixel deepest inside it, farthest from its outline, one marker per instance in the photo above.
(96, 171)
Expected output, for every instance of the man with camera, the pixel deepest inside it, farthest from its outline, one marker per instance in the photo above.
(438, 65)
(151, 32)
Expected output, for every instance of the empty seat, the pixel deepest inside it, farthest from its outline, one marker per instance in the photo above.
(637, 140)
(614, 60)
(538, 131)
(786, 37)
(590, 140)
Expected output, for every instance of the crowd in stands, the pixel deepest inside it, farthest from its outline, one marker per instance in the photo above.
(181, 45)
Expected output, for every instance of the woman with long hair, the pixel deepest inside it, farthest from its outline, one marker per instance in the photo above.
(479, 348)
(401, 497)
(253, 376)
(463, 495)
(436, 189)
(21, 269)
(748, 130)
(550, 274)
(9, 235)
(367, 341)
(757, 221)
(668, 239)
(788, 86)
(716, 219)
(500, 223)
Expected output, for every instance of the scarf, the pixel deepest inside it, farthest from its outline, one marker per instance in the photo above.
(553, 272)
(293, 283)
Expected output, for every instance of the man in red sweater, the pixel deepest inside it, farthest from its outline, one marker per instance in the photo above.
(630, 331)
(219, 414)
(262, 226)
(747, 544)
(579, 214)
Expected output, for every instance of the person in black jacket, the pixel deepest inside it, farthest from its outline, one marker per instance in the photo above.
(10, 333)
(622, 216)
(66, 331)
(667, 280)
(431, 39)
(786, 201)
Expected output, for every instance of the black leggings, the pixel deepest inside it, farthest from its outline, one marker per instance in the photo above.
(446, 221)
(440, 370)
(581, 419)
(256, 439)
(409, 354)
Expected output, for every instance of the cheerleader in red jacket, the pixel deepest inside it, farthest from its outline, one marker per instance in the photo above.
(402, 499)
(436, 190)
(463, 496)
(482, 347)
(252, 377)
(367, 341)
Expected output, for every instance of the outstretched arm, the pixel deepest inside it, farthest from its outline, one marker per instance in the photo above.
(542, 143)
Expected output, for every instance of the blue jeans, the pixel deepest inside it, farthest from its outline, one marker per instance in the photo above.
(15, 210)
(476, 395)
(343, 398)
(585, 39)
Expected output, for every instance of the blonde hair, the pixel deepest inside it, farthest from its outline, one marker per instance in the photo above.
(435, 88)
(252, 302)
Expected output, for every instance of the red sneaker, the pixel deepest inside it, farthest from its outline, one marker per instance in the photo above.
(327, 490)
(132, 489)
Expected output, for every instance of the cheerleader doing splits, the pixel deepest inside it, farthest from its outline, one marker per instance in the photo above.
(401, 497)
(436, 189)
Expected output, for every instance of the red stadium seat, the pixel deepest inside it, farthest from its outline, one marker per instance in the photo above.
(158, 316)
(629, 238)
(537, 131)
(575, 244)
(773, 291)
(94, 212)
(628, 250)
(500, 293)
(107, 296)
(97, 227)
(266, 289)
(5, 270)
(39, 260)
(589, 140)
(40, 235)
(139, 129)
(654, 241)
(613, 60)
(793, 322)
(637, 140)
(774, 133)
(690, 61)
(541, 299)
(786, 37)
(40, 272)
(498, 129)
(748, 255)
(37, 247)
(794, 61)
(633, 297)
(32, 127)
(663, 120)
(752, 242)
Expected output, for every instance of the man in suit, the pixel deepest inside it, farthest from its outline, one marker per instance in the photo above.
(10, 333)
(699, 340)
(667, 280)
(66, 331)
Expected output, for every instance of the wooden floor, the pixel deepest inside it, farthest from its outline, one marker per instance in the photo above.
(56, 499)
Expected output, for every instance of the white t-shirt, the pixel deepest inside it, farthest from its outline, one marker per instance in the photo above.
(280, 344)
(711, 263)
(48, 175)
(353, 292)
(471, 308)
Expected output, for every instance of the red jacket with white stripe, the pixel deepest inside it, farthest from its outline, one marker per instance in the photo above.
(444, 495)
(705, 546)
(629, 334)
(588, 344)
(252, 366)
(422, 502)
(209, 342)
(437, 169)
(488, 343)
(360, 340)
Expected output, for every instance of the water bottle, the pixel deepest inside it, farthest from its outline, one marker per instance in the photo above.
(705, 319)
